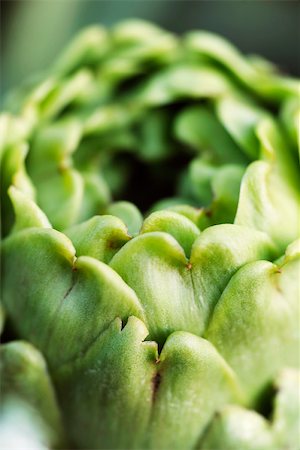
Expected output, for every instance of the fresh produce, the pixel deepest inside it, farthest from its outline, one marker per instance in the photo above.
(150, 215)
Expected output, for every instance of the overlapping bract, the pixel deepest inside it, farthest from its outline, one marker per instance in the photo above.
(150, 326)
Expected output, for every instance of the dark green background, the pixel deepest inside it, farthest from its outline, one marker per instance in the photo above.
(34, 31)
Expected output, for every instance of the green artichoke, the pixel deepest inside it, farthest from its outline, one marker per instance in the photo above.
(150, 214)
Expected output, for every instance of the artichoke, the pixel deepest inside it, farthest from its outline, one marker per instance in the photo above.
(150, 215)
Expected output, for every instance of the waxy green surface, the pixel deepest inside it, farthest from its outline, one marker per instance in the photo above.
(235, 427)
(158, 326)
(24, 375)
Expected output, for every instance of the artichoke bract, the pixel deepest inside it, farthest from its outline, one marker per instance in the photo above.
(150, 200)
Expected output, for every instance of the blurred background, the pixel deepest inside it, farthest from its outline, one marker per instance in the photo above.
(34, 31)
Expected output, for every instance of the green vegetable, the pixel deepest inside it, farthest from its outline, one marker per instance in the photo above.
(150, 202)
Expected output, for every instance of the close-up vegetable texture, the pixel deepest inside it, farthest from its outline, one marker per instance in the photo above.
(150, 215)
